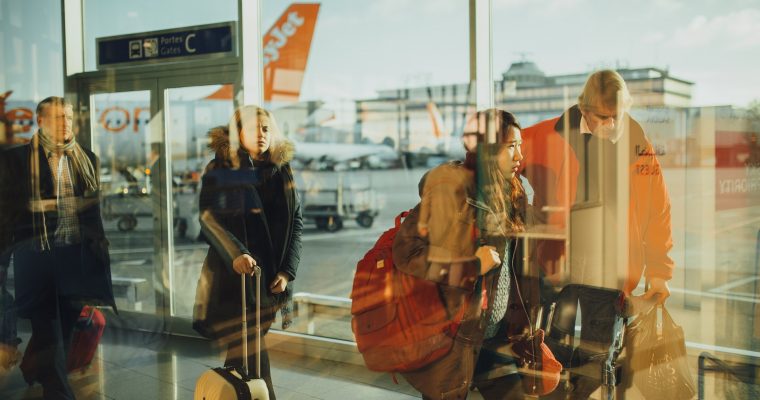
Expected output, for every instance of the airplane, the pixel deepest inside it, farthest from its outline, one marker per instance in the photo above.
(344, 156)
(444, 143)
(448, 141)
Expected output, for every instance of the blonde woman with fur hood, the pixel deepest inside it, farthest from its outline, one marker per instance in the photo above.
(250, 215)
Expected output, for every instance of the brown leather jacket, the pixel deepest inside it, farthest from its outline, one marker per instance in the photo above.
(447, 256)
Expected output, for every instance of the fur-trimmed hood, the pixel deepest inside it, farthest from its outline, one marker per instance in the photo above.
(280, 152)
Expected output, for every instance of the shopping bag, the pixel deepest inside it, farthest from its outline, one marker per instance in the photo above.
(658, 359)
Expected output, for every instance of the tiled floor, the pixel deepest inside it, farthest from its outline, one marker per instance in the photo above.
(132, 365)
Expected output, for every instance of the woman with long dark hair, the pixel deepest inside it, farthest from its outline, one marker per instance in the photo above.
(461, 237)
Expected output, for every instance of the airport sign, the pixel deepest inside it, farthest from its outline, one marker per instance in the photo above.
(194, 42)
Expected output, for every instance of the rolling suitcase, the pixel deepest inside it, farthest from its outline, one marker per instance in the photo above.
(84, 342)
(228, 383)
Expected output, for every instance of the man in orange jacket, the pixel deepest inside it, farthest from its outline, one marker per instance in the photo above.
(558, 168)
(564, 160)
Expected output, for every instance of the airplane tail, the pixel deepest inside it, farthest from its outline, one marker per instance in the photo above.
(286, 50)
(436, 120)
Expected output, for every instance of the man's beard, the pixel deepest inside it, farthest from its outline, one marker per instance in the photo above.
(607, 132)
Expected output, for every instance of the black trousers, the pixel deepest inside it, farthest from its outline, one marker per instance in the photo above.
(52, 315)
(507, 387)
(235, 358)
(45, 357)
(506, 383)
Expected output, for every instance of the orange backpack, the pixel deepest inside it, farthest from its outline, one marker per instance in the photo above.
(399, 321)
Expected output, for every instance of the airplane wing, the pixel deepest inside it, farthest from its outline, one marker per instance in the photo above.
(341, 152)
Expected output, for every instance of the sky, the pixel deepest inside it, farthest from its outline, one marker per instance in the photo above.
(713, 43)
(361, 46)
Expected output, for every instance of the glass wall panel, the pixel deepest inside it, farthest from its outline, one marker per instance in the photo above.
(362, 112)
(122, 139)
(31, 65)
(700, 126)
(190, 112)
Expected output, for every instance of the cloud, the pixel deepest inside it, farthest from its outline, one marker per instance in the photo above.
(503, 4)
(400, 9)
(550, 5)
(668, 5)
(653, 37)
(737, 30)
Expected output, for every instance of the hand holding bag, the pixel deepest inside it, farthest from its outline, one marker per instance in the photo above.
(658, 357)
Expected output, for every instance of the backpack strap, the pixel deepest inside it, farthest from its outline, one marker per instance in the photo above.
(401, 216)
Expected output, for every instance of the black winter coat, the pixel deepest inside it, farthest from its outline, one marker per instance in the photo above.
(234, 222)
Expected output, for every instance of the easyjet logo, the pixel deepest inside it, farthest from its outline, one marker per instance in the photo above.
(112, 119)
(116, 119)
(23, 117)
(279, 37)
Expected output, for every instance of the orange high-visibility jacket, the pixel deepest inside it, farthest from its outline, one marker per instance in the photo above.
(551, 166)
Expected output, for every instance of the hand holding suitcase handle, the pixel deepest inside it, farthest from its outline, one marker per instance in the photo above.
(244, 264)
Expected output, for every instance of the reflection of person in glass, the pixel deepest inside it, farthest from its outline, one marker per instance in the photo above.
(595, 128)
(438, 242)
(51, 207)
(601, 119)
(251, 216)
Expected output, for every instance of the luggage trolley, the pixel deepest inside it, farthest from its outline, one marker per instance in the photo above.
(330, 207)
(131, 201)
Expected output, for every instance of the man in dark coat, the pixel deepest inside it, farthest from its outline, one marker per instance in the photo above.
(51, 222)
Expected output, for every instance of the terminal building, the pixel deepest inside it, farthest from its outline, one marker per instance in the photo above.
(524, 89)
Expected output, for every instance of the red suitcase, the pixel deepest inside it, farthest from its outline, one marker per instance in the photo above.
(84, 341)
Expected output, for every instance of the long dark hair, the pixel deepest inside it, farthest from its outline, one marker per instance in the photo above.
(506, 197)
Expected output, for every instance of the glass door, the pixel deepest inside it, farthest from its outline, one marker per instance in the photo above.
(191, 112)
(151, 134)
(192, 105)
(126, 133)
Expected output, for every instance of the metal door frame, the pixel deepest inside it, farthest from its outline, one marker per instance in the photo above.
(156, 79)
